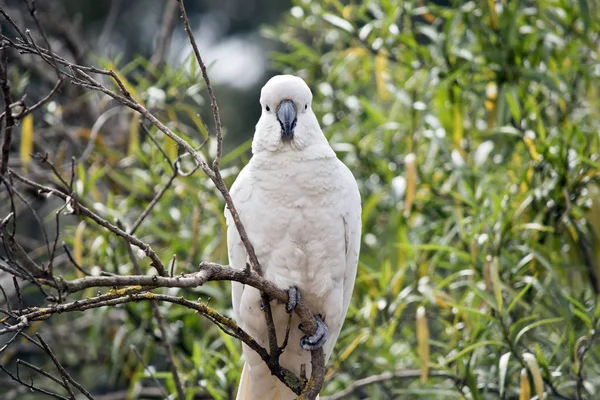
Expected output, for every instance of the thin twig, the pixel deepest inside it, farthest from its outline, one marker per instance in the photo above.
(24, 261)
(75, 264)
(163, 40)
(211, 94)
(9, 121)
(153, 203)
(163, 332)
(33, 12)
(31, 386)
(33, 212)
(287, 334)
(149, 371)
(6, 299)
(10, 341)
(386, 376)
(28, 110)
(41, 372)
(170, 359)
(14, 25)
(99, 220)
(59, 367)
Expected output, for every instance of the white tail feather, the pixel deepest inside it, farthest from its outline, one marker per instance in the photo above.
(245, 392)
(244, 388)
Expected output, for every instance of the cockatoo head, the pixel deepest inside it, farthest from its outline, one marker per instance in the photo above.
(287, 121)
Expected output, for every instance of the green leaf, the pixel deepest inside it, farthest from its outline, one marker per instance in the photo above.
(585, 15)
(535, 325)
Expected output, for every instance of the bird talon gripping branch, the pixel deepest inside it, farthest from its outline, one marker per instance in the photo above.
(318, 339)
(293, 299)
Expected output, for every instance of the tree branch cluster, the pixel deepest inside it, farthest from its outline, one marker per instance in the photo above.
(131, 288)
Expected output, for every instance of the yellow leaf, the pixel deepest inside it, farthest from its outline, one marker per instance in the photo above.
(351, 347)
(493, 15)
(491, 94)
(525, 392)
(134, 134)
(536, 374)
(439, 299)
(429, 17)
(423, 343)
(531, 148)
(27, 139)
(562, 104)
(78, 246)
(347, 13)
(495, 279)
(573, 232)
(457, 124)
(487, 277)
(355, 51)
(381, 61)
(410, 166)
(170, 145)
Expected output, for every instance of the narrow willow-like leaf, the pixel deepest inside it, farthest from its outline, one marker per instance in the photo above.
(536, 374)
(423, 343)
(26, 139)
(502, 369)
(525, 388)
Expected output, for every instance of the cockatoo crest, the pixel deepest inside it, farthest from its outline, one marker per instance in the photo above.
(287, 121)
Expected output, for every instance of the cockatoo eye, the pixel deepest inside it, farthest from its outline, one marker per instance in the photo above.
(268, 108)
(306, 106)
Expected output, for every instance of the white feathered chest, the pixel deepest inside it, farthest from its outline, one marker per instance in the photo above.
(294, 214)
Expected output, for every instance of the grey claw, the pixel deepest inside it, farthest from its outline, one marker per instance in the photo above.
(317, 340)
(293, 299)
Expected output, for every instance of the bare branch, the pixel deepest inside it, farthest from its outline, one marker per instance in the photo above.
(21, 256)
(99, 220)
(35, 215)
(40, 371)
(211, 94)
(139, 293)
(10, 341)
(28, 110)
(33, 12)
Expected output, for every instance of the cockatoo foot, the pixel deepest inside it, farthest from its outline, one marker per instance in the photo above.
(293, 299)
(317, 340)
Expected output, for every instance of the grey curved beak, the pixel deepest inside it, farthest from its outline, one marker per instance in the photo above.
(287, 117)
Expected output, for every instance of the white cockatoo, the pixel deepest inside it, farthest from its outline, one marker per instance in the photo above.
(301, 208)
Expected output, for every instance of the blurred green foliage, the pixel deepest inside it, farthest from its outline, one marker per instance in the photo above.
(472, 130)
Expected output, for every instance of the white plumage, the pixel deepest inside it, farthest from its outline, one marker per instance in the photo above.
(301, 208)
